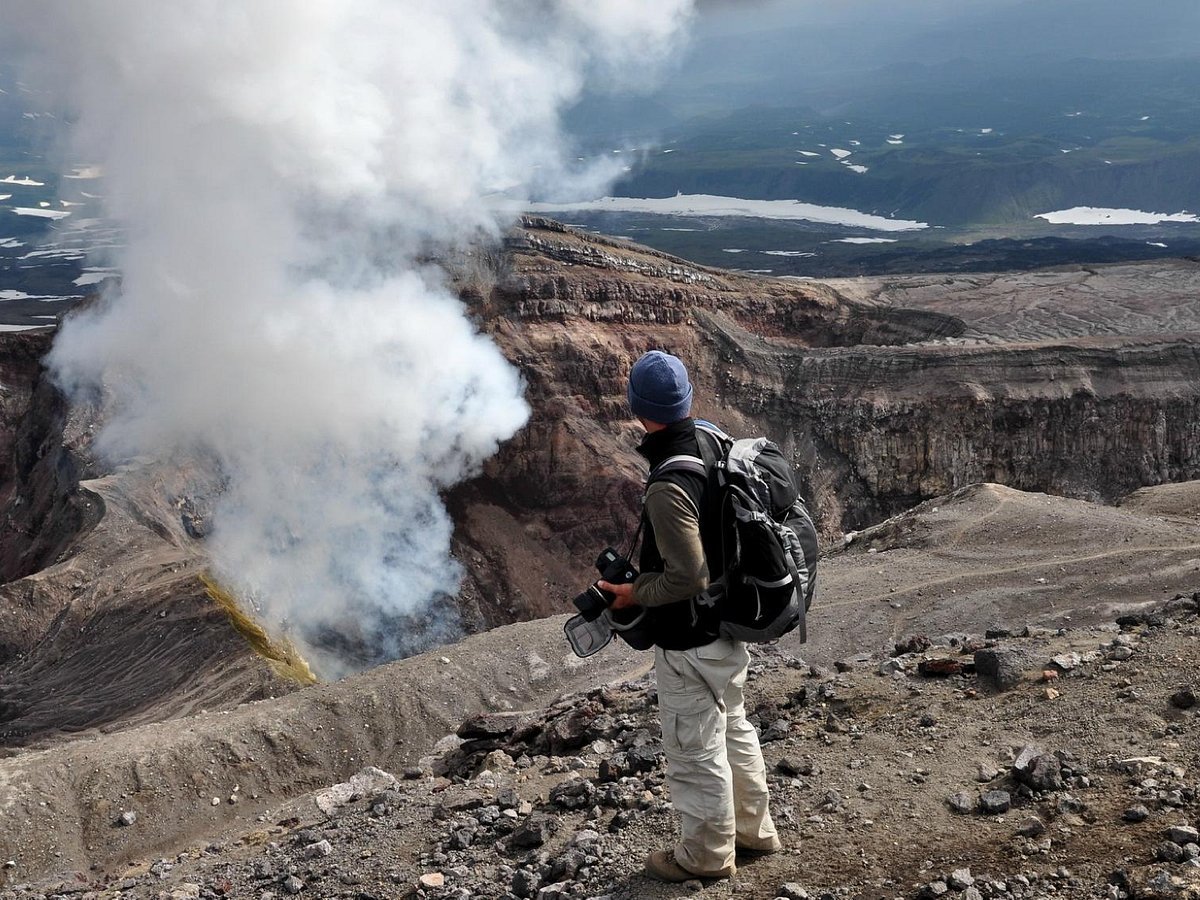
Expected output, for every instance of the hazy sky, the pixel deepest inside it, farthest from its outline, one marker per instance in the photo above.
(824, 55)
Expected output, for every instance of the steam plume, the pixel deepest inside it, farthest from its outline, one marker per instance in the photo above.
(280, 168)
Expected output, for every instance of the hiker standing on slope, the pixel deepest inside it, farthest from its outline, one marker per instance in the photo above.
(715, 765)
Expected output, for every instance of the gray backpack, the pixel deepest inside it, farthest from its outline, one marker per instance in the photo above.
(769, 542)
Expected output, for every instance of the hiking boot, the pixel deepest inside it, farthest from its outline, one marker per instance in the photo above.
(661, 865)
(761, 847)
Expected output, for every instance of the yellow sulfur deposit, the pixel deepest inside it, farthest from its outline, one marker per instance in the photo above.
(282, 655)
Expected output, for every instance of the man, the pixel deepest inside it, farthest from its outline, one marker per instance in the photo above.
(715, 765)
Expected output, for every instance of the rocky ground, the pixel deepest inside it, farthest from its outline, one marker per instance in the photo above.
(1023, 763)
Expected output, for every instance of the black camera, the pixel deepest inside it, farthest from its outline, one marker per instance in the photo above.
(597, 622)
(613, 568)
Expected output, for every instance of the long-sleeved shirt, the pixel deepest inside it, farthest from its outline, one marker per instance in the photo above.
(677, 533)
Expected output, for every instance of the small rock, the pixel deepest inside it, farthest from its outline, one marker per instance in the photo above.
(935, 889)
(127, 818)
(216, 801)
(776, 731)
(1168, 851)
(574, 793)
(1031, 827)
(1003, 668)
(264, 868)
(940, 668)
(1039, 771)
(1184, 698)
(293, 885)
(962, 802)
(1137, 813)
(891, 667)
(960, 879)
(367, 782)
(623, 819)
(792, 891)
(432, 880)
(524, 883)
(1182, 834)
(1050, 694)
(1067, 661)
(567, 864)
(917, 643)
(994, 803)
(317, 850)
(559, 891)
(1119, 654)
(532, 832)
(793, 766)
(987, 772)
(499, 761)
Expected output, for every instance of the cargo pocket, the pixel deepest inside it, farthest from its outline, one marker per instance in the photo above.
(689, 724)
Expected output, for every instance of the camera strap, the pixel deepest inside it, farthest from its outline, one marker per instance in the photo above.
(637, 536)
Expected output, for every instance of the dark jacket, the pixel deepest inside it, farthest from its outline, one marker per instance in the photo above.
(683, 624)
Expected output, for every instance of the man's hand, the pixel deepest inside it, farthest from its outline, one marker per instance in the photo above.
(623, 593)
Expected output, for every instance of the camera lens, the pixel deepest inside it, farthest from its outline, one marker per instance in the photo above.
(592, 602)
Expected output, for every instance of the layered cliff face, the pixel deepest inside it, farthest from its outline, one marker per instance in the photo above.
(881, 406)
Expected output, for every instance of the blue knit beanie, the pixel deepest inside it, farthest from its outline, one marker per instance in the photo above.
(659, 389)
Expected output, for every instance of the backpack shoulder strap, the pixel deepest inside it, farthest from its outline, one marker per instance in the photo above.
(681, 463)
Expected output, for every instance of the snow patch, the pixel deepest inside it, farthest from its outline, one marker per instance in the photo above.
(40, 213)
(788, 253)
(21, 295)
(839, 153)
(863, 240)
(86, 172)
(25, 180)
(710, 205)
(93, 278)
(1093, 215)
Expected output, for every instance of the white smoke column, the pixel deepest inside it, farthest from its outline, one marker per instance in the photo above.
(280, 167)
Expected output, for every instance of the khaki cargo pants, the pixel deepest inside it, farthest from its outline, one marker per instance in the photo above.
(715, 766)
